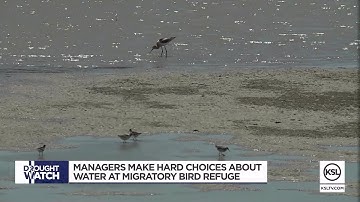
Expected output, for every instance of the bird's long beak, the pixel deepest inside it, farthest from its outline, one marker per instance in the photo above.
(151, 50)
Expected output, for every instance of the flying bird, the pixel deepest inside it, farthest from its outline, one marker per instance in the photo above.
(162, 43)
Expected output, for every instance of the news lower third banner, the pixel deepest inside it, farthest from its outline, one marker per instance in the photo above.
(33, 172)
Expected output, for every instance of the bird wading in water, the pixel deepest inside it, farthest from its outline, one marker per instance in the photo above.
(41, 150)
(124, 137)
(134, 134)
(162, 43)
(221, 149)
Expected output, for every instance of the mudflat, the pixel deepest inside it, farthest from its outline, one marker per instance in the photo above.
(299, 111)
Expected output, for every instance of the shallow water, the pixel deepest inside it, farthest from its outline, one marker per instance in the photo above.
(147, 148)
(57, 36)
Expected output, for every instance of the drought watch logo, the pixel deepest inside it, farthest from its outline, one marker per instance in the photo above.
(33, 172)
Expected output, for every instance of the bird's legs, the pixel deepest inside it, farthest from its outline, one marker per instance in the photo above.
(162, 50)
(165, 50)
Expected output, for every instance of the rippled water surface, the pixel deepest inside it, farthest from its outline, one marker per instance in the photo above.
(173, 147)
(51, 35)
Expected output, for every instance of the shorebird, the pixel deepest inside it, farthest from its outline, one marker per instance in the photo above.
(221, 149)
(162, 42)
(41, 150)
(124, 137)
(134, 134)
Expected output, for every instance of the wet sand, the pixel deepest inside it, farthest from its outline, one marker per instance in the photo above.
(287, 111)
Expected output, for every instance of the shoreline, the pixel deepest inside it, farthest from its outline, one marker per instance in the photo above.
(286, 110)
(290, 112)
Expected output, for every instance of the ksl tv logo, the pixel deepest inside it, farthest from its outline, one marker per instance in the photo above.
(332, 176)
(33, 172)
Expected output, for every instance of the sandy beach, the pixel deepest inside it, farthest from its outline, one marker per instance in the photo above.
(292, 111)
